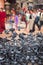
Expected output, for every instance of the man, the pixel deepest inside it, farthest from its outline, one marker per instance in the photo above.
(41, 18)
(2, 20)
(37, 20)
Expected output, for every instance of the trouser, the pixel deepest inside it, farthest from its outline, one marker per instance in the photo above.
(26, 23)
(31, 24)
(41, 23)
(38, 25)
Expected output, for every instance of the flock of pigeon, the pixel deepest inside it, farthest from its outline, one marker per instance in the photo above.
(27, 49)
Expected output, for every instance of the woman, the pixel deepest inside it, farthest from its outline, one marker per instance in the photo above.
(2, 20)
(27, 19)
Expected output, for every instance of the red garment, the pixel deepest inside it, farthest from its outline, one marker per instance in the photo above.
(2, 21)
(24, 9)
(23, 18)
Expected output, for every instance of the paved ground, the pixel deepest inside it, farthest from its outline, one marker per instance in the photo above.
(24, 30)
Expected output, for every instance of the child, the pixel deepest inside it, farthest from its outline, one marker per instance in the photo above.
(2, 20)
(16, 20)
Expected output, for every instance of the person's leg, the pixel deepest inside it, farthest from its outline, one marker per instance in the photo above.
(16, 26)
(38, 25)
(41, 23)
(0, 29)
(31, 25)
(28, 26)
(2, 26)
(25, 24)
(33, 28)
(16, 23)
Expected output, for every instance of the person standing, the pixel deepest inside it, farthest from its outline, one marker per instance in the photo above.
(41, 18)
(32, 19)
(16, 20)
(2, 20)
(27, 16)
(37, 20)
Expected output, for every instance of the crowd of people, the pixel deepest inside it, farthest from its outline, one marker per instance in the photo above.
(30, 17)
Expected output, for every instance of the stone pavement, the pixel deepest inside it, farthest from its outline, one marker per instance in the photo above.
(23, 30)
